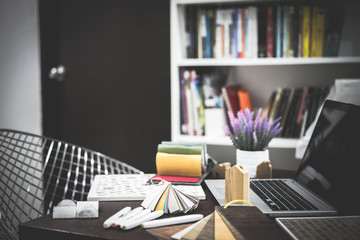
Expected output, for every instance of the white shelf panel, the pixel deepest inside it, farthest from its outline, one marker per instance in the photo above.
(266, 61)
(225, 141)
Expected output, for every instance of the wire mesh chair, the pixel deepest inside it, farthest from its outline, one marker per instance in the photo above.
(37, 172)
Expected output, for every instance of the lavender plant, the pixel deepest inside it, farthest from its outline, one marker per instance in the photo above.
(251, 134)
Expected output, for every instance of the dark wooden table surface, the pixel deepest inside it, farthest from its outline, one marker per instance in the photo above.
(48, 228)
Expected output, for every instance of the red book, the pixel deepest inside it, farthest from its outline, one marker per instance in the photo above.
(270, 33)
(230, 94)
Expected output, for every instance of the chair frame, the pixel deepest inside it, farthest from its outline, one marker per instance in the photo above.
(37, 172)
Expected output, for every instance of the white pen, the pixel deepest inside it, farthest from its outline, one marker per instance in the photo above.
(172, 221)
(132, 213)
(138, 222)
(139, 215)
(111, 219)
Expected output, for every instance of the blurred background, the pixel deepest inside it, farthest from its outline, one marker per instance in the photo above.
(114, 96)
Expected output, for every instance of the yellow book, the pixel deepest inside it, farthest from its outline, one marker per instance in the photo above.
(319, 33)
(306, 30)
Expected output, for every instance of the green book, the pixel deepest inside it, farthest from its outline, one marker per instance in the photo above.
(179, 149)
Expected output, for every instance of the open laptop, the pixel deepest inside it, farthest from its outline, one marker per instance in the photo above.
(328, 178)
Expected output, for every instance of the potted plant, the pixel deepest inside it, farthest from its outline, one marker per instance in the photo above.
(251, 136)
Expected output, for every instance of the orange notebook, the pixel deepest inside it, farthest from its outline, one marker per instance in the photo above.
(244, 100)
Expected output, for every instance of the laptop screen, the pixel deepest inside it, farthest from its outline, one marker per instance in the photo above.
(331, 163)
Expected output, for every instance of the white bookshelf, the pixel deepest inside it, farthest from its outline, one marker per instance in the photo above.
(262, 75)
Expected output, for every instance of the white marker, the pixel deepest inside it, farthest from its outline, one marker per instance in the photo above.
(111, 219)
(139, 215)
(172, 221)
(119, 221)
(138, 222)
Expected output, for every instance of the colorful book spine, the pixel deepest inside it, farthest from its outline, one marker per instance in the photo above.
(306, 30)
(318, 33)
(279, 28)
(270, 32)
(261, 31)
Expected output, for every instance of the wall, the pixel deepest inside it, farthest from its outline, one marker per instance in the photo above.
(20, 93)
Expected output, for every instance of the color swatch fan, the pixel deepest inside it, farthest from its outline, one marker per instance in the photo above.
(170, 200)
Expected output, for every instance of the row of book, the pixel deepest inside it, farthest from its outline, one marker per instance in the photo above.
(192, 105)
(197, 97)
(262, 31)
(297, 108)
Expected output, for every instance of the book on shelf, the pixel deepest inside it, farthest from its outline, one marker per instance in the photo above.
(270, 32)
(279, 31)
(244, 100)
(306, 30)
(197, 93)
(191, 31)
(267, 30)
(262, 32)
(192, 117)
(332, 34)
(296, 106)
(231, 99)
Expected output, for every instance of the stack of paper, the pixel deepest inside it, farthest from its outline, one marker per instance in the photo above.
(170, 200)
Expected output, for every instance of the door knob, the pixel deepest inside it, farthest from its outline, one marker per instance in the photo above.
(58, 73)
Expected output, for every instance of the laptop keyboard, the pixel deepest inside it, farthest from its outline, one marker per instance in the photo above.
(279, 196)
(323, 228)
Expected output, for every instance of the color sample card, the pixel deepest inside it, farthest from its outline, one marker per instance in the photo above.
(170, 200)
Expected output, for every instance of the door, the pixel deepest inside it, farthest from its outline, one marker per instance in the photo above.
(115, 95)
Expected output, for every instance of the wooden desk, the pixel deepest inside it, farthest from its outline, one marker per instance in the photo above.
(48, 228)
(53, 229)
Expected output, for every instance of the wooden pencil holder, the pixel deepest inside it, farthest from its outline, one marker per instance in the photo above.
(264, 170)
(236, 183)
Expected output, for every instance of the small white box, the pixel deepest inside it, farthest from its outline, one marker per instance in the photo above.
(64, 212)
(214, 122)
(87, 209)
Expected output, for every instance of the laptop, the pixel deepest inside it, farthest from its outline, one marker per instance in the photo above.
(328, 227)
(328, 178)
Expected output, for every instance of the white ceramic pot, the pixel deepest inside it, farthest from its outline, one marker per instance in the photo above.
(251, 159)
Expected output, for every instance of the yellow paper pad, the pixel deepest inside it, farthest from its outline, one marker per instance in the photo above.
(178, 164)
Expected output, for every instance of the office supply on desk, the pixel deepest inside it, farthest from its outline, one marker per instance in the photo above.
(64, 209)
(334, 227)
(81, 209)
(219, 170)
(87, 209)
(170, 200)
(188, 145)
(172, 221)
(264, 170)
(329, 168)
(236, 183)
(108, 222)
(183, 163)
(138, 222)
(127, 217)
(129, 187)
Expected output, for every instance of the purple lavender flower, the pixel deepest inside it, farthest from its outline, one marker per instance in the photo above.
(252, 134)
